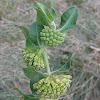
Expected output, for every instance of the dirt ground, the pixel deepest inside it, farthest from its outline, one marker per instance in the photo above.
(84, 40)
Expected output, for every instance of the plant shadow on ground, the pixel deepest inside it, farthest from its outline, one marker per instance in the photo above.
(84, 40)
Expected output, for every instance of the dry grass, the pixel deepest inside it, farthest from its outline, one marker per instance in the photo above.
(84, 40)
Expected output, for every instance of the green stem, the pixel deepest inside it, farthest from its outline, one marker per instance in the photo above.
(46, 62)
(54, 25)
(43, 99)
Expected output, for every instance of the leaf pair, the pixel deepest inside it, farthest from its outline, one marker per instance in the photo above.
(44, 16)
(32, 35)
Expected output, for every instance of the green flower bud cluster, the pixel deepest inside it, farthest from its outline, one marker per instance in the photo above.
(52, 37)
(39, 62)
(33, 58)
(28, 56)
(53, 86)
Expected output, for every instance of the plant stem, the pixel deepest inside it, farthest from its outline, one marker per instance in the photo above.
(46, 62)
(43, 99)
(54, 25)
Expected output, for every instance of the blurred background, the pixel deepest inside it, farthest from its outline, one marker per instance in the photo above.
(84, 40)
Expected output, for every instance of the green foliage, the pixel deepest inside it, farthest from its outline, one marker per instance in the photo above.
(44, 16)
(18, 90)
(32, 35)
(36, 38)
(26, 96)
(25, 31)
(68, 19)
(30, 72)
(67, 65)
(33, 41)
(36, 79)
(29, 97)
(54, 14)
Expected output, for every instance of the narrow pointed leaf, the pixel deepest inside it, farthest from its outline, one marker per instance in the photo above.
(67, 65)
(40, 20)
(29, 72)
(44, 17)
(30, 44)
(45, 10)
(25, 96)
(18, 90)
(54, 14)
(68, 19)
(25, 31)
(29, 97)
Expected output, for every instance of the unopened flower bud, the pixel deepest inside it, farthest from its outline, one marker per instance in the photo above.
(52, 86)
(52, 35)
(33, 58)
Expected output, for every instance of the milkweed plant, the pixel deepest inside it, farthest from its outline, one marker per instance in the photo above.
(44, 32)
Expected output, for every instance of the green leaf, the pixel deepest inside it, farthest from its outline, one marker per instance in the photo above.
(34, 32)
(29, 72)
(29, 97)
(35, 79)
(33, 40)
(35, 76)
(68, 19)
(67, 65)
(26, 97)
(45, 10)
(18, 90)
(54, 14)
(30, 44)
(25, 31)
(44, 16)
